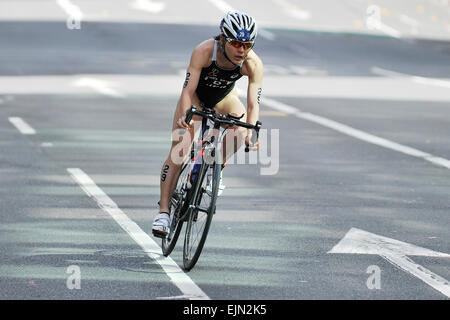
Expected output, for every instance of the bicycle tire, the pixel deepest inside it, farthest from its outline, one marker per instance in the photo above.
(168, 243)
(199, 222)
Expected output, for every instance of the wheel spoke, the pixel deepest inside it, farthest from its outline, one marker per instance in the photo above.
(201, 216)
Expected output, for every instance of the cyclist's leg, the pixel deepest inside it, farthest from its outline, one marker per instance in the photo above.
(235, 137)
(179, 150)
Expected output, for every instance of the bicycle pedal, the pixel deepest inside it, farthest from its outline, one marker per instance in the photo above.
(159, 234)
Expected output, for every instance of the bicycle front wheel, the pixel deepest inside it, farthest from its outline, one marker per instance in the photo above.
(201, 213)
(177, 202)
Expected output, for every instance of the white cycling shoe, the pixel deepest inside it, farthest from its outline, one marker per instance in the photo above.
(160, 227)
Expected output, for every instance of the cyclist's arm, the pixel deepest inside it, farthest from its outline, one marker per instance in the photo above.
(198, 58)
(255, 72)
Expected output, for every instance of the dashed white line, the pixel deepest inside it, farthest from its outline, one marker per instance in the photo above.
(189, 289)
(21, 125)
(416, 79)
(46, 144)
(101, 86)
(361, 135)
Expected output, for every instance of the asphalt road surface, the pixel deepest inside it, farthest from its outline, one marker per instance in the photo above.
(348, 198)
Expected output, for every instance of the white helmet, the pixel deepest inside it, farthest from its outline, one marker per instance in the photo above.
(239, 26)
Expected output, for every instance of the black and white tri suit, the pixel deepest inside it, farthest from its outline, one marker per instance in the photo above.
(216, 82)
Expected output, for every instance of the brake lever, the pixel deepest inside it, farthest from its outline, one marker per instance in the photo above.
(254, 137)
(190, 113)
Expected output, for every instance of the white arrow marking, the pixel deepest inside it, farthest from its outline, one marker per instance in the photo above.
(98, 85)
(373, 22)
(358, 241)
(149, 6)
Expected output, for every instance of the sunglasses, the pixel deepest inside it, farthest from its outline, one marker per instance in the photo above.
(237, 44)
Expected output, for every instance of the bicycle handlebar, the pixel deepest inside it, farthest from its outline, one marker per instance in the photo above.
(224, 119)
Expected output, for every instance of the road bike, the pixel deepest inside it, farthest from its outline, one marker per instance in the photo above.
(194, 199)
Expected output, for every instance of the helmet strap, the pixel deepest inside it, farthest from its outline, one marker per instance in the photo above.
(222, 48)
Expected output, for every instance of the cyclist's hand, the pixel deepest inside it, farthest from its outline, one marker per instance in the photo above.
(249, 144)
(182, 124)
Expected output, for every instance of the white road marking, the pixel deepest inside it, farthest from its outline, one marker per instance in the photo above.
(177, 276)
(361, 135)
(416, 79)
(148, 6)
(409, 21)
(46, 144)
(101, 86)
(266, 34)
(367, 88)
(431, 81)
(21, 125)
(303, 71)
(373, 22)
(385, 72)
(222, 5)
(358, 241)
(293, 10)
(72, 10)
(275, 69)
(389, 30)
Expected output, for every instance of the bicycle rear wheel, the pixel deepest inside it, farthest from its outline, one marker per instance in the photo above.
(201, 214)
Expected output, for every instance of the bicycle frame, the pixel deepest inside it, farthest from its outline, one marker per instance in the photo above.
(208, 151)
(194, 194)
